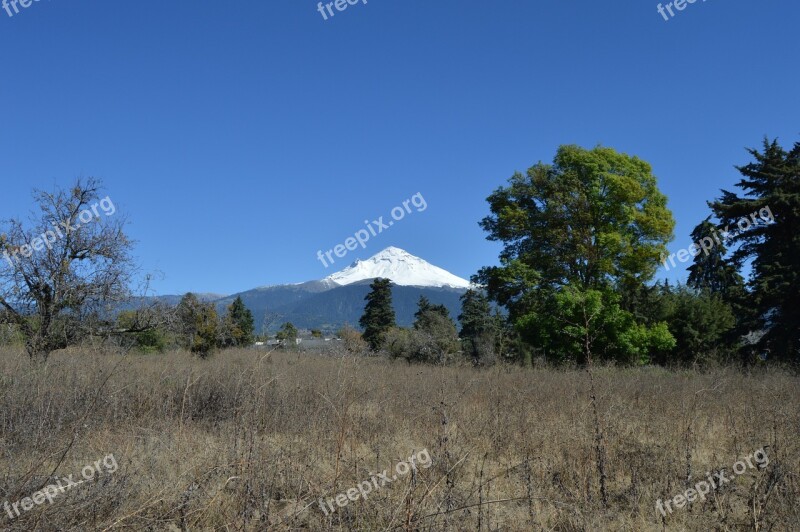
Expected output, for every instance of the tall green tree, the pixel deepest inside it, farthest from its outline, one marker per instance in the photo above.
(710, 269)
(771, 193)
(238, 325)
(712, 273)
(378, 314)
(593, 217)
(478, 326)
(197, 325)
(591, 224)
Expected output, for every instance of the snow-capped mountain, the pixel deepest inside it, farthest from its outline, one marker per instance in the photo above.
(337, 300)
(401, 267)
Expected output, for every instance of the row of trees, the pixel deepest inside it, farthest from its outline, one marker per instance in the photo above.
(434, 337)
(583, 239)
(194, 325)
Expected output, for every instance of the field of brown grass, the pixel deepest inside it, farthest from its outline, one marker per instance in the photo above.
(251, 441)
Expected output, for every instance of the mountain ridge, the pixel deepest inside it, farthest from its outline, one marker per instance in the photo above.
(338, 299)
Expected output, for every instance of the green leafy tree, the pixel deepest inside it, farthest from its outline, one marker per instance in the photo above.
(771, 186)
(198, 325)
(378, 314)
(574, 232)
(585, 325)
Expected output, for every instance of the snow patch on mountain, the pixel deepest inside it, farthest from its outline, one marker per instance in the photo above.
(401, 267)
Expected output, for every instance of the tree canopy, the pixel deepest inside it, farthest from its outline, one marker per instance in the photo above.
(574, 232)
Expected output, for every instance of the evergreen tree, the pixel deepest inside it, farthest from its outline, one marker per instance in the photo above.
(710, 270)
(287, 335)
(378, 315)
(426, 313)
(478, 326)
(238, 325)
(771, 186)
(476, 314)
(713, 273)
(701, 321)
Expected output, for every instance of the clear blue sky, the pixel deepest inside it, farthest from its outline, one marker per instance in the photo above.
(241, 137)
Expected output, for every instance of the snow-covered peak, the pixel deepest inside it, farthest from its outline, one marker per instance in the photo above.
(401, 267)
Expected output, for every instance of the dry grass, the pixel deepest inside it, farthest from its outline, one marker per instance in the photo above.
(250, 442)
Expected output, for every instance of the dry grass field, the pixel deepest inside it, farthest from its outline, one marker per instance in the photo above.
(251, 441)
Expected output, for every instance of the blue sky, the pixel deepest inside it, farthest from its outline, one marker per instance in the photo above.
(241, 137)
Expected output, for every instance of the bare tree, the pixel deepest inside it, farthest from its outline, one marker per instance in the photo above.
(64, 269)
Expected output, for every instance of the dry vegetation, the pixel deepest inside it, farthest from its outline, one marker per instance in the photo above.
(250, 441)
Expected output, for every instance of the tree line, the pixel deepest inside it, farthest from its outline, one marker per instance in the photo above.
(583, 239)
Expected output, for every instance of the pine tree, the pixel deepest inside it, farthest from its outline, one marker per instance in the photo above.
(239, 324)
(771, 185)
(476, 314)
(713, 274)
(710, 270)
(477, 323)
(378, 315)
(426, 313)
